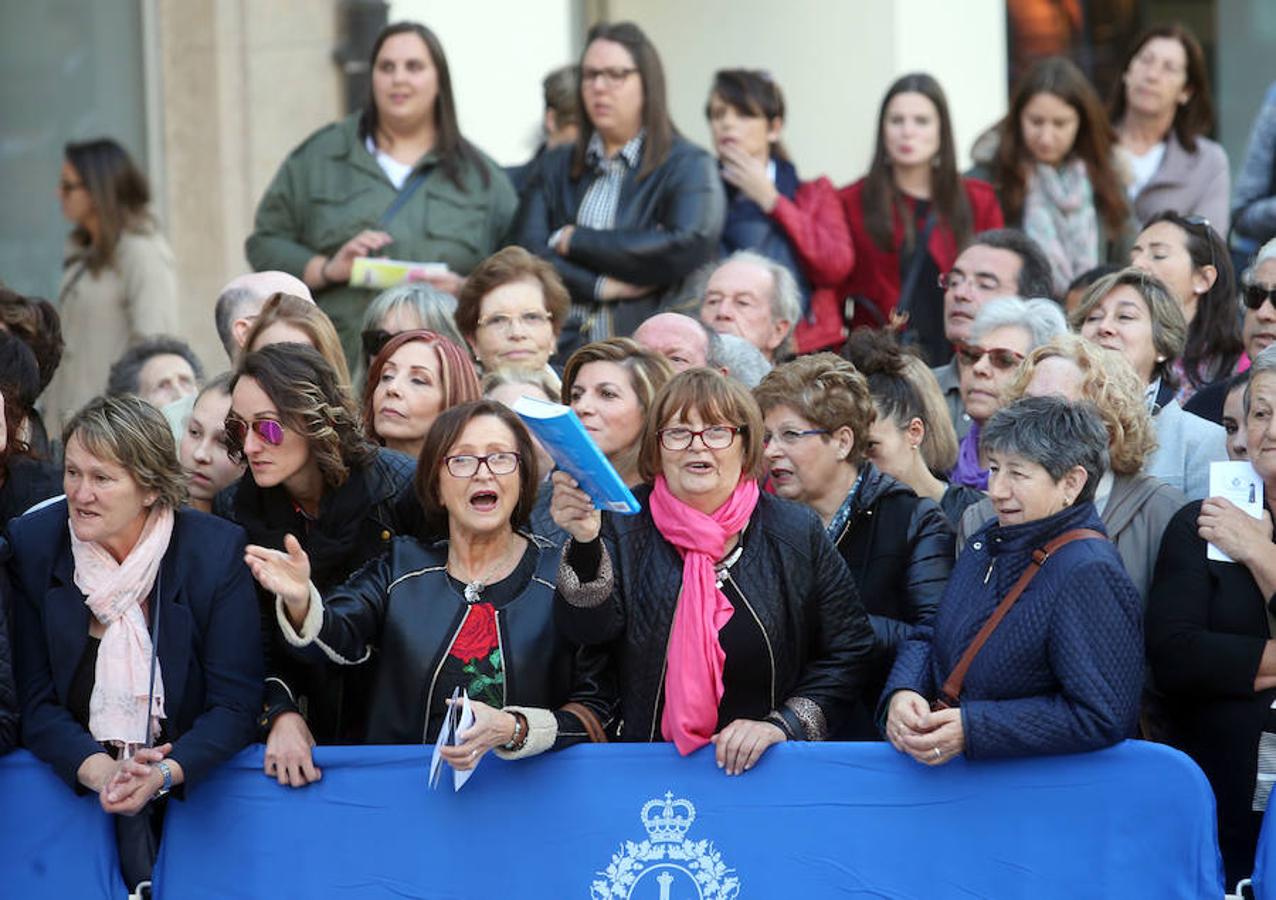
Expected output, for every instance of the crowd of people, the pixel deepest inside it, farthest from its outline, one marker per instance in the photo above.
(924, 459)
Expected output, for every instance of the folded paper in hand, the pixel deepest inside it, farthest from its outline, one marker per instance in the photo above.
(1238, 482)
(459, 717)
(564, 438)
(378, 273)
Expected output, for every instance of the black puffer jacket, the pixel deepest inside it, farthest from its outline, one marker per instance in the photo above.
(899, 548)
(356, 523)
(788, 574)
(667, 225)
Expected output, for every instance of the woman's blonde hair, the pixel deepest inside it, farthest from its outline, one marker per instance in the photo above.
(131, 433)
(1110, 383)
(305, 316)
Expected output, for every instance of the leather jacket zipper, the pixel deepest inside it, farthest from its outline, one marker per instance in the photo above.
(769, 651)
(660, 688)
(425, 736)
(505, 669)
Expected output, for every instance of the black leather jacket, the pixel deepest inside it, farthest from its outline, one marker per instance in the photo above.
(899, 548)
(667, 225)
(789, 575)
(356, 523)
(403, 604)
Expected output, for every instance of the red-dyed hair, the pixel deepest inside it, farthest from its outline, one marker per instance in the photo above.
(456, 372)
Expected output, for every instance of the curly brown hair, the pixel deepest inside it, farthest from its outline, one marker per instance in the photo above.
(827, 391)
(313, 402)
(1107, 381)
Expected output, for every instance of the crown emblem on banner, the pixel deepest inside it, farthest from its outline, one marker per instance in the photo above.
(667, 863)
(666, 825)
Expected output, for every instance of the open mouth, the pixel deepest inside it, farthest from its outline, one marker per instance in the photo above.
(483, 501)
(699, 467)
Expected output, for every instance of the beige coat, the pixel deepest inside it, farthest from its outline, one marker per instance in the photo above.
(104, 314)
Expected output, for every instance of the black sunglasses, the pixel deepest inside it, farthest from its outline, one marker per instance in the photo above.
(373, 340)
(1256, 295)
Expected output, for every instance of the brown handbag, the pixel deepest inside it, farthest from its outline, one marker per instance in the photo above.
(951, 691)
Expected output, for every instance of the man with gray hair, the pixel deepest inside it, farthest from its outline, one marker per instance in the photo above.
(739, 359)
(242, 299)
(755, 298)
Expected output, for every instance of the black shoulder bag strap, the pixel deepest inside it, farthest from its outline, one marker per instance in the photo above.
(914, 272)
(415, 180)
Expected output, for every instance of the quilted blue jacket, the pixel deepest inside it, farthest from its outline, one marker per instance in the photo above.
(1063, 671)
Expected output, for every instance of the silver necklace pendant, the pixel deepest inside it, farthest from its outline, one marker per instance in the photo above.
(473, 592)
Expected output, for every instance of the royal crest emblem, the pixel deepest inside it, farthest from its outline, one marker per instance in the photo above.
(667, 865)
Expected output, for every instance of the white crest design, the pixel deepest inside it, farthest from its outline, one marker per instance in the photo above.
(667, 865)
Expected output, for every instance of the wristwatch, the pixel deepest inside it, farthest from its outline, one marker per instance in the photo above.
(167, 772)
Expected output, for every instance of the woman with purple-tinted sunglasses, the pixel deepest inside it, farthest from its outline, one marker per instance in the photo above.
(312, 473)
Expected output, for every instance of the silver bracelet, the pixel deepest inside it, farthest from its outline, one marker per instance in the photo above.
(515, 742)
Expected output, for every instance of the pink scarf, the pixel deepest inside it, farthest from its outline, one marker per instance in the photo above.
(114, 592)
(693, 683)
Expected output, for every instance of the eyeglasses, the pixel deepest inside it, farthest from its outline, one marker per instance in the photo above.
(1256, 295)
(268, 430)
(373, 340)
(503, 324)
(67, 187)
(1207, 232)
(466, 465)
(612, 77)
(715, 437)
(1000, 357)
(789, 436)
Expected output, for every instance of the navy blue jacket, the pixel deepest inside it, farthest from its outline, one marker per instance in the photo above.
(209, 641)
(1063, 671)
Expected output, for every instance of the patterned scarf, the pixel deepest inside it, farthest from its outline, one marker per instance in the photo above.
(1059, 214)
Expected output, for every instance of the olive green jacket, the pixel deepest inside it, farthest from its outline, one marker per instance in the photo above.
(330, 188)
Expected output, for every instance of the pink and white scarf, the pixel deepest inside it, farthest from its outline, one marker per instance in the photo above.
(114, 592)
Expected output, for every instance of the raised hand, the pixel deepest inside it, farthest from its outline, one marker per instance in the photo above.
(286, 573)
(572, 510)
(749, 175)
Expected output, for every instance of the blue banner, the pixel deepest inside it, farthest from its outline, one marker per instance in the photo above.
(622, 821)
(53, 842)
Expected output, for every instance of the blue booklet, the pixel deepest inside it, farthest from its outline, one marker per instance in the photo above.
(558, 428)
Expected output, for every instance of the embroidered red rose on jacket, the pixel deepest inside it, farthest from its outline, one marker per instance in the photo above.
(477, 638)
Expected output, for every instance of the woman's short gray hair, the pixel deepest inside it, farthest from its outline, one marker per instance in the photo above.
(434, 308)
(1055, 434)
(1041, 318)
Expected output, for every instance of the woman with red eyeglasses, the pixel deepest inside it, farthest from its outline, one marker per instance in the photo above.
(1004, 332)
(312, 474)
